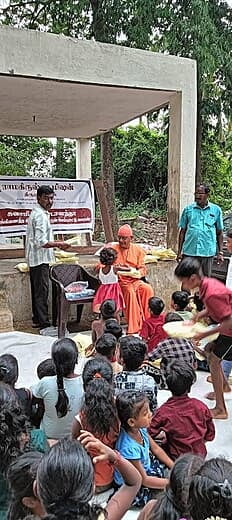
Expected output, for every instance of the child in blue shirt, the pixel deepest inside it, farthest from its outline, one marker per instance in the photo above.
(135, 444)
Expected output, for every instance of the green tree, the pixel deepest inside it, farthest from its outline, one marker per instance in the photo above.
(25, 156)
(217, 169)
(140, 166)
(65, 162)
(198, 29)
(98, 19)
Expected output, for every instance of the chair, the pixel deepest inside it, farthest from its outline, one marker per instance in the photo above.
(62, 275)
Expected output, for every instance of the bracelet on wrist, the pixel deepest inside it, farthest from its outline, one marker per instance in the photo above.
(221, 253)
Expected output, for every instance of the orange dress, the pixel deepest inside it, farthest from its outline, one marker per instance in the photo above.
(103, 470)
(136, 292)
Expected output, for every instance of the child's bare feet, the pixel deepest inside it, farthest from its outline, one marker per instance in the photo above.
(218, 413)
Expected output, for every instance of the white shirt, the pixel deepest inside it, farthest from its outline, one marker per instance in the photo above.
(39, 233)
(58, 427)
(108, 278)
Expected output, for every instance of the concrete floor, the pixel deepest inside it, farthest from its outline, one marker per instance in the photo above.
(30, 349)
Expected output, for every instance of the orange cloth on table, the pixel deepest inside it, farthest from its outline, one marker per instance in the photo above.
(136, 292)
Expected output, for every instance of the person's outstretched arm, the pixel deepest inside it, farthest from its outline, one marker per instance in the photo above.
(150, 481)
(119, 504)
(160, 453)
(181, 238)
(123, 498)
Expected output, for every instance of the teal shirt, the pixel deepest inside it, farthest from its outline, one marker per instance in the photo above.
(201, 225)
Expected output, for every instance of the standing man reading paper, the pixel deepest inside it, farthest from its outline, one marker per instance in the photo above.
(39, 253)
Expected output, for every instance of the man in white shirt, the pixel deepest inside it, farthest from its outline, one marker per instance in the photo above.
(39, 253)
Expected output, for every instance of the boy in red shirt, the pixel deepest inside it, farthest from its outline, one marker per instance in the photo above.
(217, 299)
(187, 422)
(152, 329)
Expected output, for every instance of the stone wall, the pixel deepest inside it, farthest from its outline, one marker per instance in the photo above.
(17, 286)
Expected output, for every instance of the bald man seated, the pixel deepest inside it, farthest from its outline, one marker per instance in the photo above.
(136, 292)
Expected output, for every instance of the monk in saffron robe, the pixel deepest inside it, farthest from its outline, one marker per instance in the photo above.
(136, 292)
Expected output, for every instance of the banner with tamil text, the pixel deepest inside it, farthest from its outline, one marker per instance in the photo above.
(72, 211)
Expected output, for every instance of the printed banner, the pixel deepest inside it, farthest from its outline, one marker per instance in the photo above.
(72, 211)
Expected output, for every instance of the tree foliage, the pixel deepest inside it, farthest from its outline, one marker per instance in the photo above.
(25, 156)
(65, 159)
(198, 29)
(217, 169)
(140, 166)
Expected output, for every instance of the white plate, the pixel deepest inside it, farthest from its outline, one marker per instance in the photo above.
(186, 329)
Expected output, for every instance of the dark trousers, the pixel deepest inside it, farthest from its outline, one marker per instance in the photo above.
(206, 263)
(39, 278)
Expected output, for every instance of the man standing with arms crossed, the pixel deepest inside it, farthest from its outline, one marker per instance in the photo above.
(39, 253)
(201, 231)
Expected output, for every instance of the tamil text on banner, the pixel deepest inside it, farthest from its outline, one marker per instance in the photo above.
(72, 211)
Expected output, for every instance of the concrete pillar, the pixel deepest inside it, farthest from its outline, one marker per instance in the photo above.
(181, 159)
(83, 171)
(83, 158)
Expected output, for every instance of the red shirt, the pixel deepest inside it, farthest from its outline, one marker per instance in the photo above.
(152, 331)
(187, 423)
(217, 299)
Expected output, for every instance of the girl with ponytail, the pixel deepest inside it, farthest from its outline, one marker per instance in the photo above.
(61, 394)
(98, 414)
(210, 491)
(65, 483)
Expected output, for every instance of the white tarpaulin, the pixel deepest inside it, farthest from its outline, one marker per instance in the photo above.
(72, 211)
(4, 4)
(30, 350)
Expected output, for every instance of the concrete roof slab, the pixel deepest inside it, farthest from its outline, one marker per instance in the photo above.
(53, 108)
(53, 85)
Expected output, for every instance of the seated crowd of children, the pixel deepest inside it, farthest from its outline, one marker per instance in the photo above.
(72, 437)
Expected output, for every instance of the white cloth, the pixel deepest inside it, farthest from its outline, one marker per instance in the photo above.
(108, 278)
(229, 275)
(58, 427)
(39, 233)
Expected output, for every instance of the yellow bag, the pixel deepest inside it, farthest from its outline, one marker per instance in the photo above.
(164, 254)
(22, 267)
(151, 259)
(82, 342)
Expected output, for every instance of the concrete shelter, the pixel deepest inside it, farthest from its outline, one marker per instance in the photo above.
(56, 86)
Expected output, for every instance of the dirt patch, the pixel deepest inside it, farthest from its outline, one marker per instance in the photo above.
(146, 229)
(150, 230)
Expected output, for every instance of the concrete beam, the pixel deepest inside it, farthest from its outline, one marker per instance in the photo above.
(51, 56)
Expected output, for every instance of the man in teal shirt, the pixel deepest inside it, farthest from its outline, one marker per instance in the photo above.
(201, 231)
